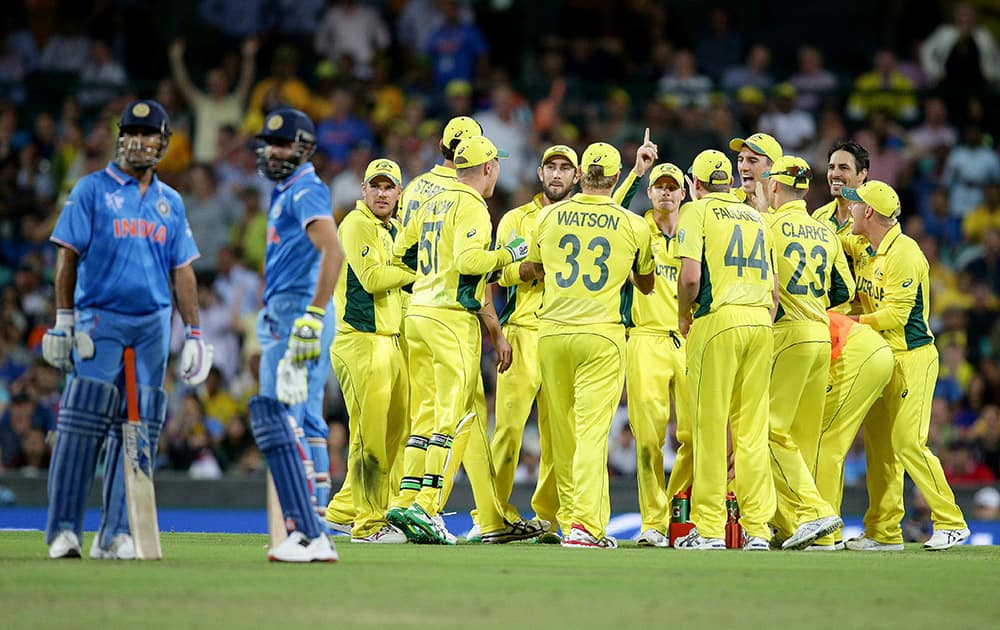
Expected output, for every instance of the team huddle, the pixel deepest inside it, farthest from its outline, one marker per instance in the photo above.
(771, 334)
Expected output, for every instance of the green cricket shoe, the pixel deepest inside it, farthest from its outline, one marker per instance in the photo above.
(397, 516)
(435, 534)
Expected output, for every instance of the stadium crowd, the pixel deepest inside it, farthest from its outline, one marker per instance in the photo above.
(379, 78)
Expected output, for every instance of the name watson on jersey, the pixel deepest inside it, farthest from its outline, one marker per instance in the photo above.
(586, 219)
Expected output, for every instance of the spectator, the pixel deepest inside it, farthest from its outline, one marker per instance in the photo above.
(986, 503)
(419, 19)
(684, 82)
(508, 123)
(237, 453)
(342, 130)
(189, 435)
(102, 78)
(985, 267)
(215, 397)
(961, 466)
(456, 50)
(23, 416)
(235, 19)
(218, 106)
(884, 88)
(350, 35)
(238, 288)
(934, 132)
(722, 48)
(793, 128)
(345, 188)
(983, 217)
(209, 213)
(969, 167)
(753, 72)
(66, 51)
(815, 84)
(249, 233)
(281, 87)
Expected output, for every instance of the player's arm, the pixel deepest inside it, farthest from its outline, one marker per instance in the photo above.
(514, 273)
(688, 283)
(65, 278)
(690, 239)
(404, 247)
(643, 274)
(488, 315)
(186, 294)
(644, 158)
(362, 250)
(323, 235)
(902, 282)
(842, 285)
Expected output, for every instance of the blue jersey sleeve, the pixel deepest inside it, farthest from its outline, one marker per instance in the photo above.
(312, 202)
(75, 226)
(184, 249)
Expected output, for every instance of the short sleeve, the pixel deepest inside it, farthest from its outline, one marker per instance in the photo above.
(311, 203)
(183, 249)
(691, 232)
(644, 262)
(74, 227)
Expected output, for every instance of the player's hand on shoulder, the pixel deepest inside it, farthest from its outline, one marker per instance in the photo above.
(303, 344)
(58, 342)
(196, 357)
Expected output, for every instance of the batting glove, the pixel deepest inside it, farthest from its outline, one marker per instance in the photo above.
(58, 342)
(196, 357)
(518, 249)
(306, 331)
(292, 381)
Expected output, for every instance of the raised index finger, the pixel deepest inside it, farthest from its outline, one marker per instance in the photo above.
(646, 139)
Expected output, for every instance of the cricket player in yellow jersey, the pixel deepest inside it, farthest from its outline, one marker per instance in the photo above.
(861, 365)
(892, 276)
(450, 235)
(812, 276)
(366, 354)
(655, 365)
(755, 156)
(586, 247)
(727, 285)
(519, 386)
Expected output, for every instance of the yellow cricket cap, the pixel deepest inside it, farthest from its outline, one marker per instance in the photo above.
(759, 143)
(603, 154)
(477, 150)
(667, 170)
(792, 171)
(879, 195)
(561, 150)
(707, 163)
(383, 167)
(458, 87)
(459, 128)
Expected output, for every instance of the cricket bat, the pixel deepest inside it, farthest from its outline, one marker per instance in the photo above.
(139, 493)
(275, 518)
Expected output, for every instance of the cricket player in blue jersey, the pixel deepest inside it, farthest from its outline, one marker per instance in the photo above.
(295, 329)
(123, 238)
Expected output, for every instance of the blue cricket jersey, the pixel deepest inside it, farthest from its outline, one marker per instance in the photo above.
(127, 244)
(291, 262)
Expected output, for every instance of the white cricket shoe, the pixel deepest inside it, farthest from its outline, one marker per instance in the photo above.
(298, 548)
(340, 528)
(451, 538)
(475, 534)
(863, 543)
(122, 548)
(580, 538)
(65, 545)
(652, 538)
(834, 547)
(811, 530)
(696, 542)
(756, 543)
(388, 535)
(946, 539)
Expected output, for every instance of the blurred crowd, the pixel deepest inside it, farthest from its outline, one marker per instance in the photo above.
(381, 77)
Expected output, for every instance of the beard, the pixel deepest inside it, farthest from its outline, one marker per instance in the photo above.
(558, 194)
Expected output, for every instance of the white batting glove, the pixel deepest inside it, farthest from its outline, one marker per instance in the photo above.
(196, 357)
(292, 381)
(303, 344)
(57, 344)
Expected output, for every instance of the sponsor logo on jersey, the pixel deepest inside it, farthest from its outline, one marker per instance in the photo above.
(276, 210)
(163, 207)
(114, 200)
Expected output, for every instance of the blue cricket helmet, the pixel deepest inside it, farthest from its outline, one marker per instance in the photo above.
(285, 124)
(142, 114)
(145, 114)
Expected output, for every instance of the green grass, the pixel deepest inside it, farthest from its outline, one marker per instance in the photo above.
(221, 581)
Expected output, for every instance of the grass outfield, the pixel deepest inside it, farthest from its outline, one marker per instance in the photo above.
(224, 580)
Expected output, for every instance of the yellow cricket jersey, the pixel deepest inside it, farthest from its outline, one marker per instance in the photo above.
(368, 296)
(523, 298)
(422, 188)
(735, 249)
(827, 215)
(588, 245)
(894, 287)
(447, 243)
(656, 313)
(813, 273)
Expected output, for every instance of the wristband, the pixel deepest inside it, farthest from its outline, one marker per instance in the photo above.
(65, 317)
(192, 332)
(316, 312)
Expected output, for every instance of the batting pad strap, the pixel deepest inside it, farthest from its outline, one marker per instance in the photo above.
(433, 481)
(410, 483)
(440, 440)
(87, 407)
(316, 441)
(417, 441)
(269, 422)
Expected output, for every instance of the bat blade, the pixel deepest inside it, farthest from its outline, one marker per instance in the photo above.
(140, 495)
(275, 518)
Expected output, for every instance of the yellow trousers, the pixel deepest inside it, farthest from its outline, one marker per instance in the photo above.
(799, 375)
(896, 440)
(728, 359)
(655, 377)
(583, 369)
(857, 378)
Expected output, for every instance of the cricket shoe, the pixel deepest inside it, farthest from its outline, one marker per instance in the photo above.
(946, 539)
(811, 530)
(652, 538)
(757, 543)
(863, 543)
(339, 528)
(397, 517)
(521, 530)
(388, 535)
(834, 547)
(65, 545)
(433, 531)
(121, 548)
(475, 534)
(580, 538)
(298, 548)
(452, 538)
(696, 542)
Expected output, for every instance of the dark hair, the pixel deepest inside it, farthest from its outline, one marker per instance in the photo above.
(448, 151)
(862, 160)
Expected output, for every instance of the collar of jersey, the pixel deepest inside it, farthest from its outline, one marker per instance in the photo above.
(832, 218)
(296, 174)
(468, 189)
(361, 206)
(653, 227)
(890, 238)
(722, 196)
(799, 205)
(120, 176)
(536, 203)
(585, 198)
(444, 171)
